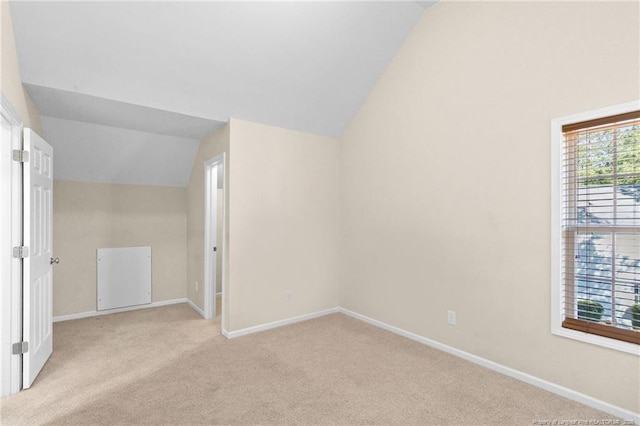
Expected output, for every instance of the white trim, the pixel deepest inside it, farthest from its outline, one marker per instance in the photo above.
(209, 256)
(8, 111)
(219, 160)
(89, 314)
(600, 112)
(556, 228)
(618, 345)
(507, 371)
(279, 323)
(195, 307)
(10, 268)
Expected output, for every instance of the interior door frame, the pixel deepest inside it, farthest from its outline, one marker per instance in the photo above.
(11, 221)
(210, 194)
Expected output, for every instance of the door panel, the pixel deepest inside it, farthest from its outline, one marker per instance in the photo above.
(37, 288)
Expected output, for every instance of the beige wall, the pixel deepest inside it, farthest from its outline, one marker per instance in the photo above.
(283, 227)
(88, 216)
(211, 146)
(446, 180)
(10, 81)
(284, 224)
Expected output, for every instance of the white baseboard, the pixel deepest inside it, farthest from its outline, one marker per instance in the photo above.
(519, 375)
(276, 324)
(195, 307)
(115, 311)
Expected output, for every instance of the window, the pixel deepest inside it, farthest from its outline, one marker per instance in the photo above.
(597, 287)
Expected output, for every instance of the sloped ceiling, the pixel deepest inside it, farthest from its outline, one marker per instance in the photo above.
(179, 70)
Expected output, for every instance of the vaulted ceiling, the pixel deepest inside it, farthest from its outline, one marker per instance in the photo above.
(120, 83)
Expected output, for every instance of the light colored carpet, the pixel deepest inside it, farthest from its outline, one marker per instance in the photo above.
(168, 366)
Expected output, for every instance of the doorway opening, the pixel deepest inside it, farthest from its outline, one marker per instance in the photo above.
(215, 238)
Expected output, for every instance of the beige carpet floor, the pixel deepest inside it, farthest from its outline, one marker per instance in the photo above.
(168, 366)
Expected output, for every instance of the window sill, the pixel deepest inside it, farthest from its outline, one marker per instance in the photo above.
(604, 330)
(593, 339)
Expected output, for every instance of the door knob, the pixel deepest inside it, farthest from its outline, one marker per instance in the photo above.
(55, 260)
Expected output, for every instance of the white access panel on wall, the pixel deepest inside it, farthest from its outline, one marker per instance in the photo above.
(124, 277)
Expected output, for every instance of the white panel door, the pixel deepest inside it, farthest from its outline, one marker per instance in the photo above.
(37, 266)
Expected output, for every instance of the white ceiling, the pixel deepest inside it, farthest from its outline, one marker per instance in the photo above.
(90, 109)
(182, 69)
(95, 153)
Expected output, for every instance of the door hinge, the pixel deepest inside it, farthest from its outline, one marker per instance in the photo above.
(20, 252)
(20, 156)
(20, 348)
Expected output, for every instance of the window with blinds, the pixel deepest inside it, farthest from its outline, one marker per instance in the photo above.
(601, 227)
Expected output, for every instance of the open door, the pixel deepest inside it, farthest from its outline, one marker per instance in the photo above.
(37, 263)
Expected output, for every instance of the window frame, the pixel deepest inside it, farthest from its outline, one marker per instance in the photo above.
(557, 146)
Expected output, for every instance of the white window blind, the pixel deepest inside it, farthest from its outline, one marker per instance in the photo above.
(601, 226)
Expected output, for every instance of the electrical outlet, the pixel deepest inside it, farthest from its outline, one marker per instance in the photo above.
(288, 294)
(451, 317)
(196, 286)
